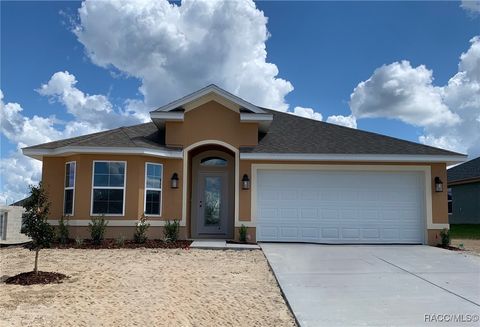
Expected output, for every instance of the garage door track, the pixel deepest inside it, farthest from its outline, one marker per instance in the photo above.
(377, 285)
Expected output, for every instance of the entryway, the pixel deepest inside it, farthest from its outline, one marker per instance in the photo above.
(212, 193)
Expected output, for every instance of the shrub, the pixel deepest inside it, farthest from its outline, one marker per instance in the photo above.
(243, 233)
(36, 226)
(141, 228)
(97, 229)
(63, 231)
(79, 241)
(120, 241)
(171, 230)
(445, 235)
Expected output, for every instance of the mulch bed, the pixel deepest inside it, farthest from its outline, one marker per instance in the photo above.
(449, 247)
(41, 277)
(113, 244)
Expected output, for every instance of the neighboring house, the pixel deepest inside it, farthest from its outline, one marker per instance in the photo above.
(464, 193)
(217, 162)
(11, 225)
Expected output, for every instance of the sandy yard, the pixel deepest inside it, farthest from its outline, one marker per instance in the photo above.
(469, 245)
(143, 287)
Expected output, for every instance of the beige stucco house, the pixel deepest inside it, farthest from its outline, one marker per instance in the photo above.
(216, 162)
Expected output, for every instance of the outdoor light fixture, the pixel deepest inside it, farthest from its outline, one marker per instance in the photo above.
(245, 182)
(438, 184)
(174, 181)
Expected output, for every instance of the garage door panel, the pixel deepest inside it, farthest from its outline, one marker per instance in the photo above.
(340, 207)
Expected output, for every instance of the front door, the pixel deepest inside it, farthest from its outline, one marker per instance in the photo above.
(212, 203)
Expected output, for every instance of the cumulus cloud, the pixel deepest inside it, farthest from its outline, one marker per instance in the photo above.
(347, 121)
(307, 113)
(448, 114)
(174, 49)
(471, 6)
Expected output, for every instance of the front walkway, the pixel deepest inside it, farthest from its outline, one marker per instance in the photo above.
(222, 245)
(379, 285)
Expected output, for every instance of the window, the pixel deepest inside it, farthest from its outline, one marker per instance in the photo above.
(449, 194)
(108, 194)
(153, 189)
(69, 192)
(213, 161)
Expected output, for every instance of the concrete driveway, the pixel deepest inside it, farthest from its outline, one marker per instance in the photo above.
(377, 285)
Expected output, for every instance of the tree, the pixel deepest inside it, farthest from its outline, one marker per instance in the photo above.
(36, 226)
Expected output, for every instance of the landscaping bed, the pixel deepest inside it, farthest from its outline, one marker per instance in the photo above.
(31, 278)
(127, 244)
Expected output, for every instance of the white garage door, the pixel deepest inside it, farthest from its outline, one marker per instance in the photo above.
(340, 206)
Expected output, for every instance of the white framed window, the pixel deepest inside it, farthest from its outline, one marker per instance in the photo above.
(153, 189)
(108, 188)
(450, 198)
(69, 188)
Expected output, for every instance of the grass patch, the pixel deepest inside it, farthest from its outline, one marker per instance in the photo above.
(465, 231)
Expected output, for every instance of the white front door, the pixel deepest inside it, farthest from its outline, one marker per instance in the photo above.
(327, 206)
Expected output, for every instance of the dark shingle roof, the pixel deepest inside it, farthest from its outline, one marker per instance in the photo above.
(143, 135)
(287, 134)
(294, 134)
(465, 171)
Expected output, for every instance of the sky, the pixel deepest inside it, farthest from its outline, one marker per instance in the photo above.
(410, 70)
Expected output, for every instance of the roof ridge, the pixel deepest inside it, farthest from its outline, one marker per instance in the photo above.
(361, 131)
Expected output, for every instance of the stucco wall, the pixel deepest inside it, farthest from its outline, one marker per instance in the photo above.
(53, 179)
(211, 121)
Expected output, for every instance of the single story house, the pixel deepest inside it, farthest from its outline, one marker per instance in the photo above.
(11, 219)
(464, 193)
(216, 162)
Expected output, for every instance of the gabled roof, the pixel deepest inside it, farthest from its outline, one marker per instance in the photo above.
(212, 88)
(469, 170)
(289, 137)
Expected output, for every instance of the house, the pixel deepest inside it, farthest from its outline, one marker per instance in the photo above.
(464, 193)
(11, 225)
(216, 162)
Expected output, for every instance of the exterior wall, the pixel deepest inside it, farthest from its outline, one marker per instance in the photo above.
(54, 175)
(211, 121)
(12, 225)
(465, 204)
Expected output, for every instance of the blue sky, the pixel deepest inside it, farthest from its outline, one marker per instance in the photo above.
(323, 49)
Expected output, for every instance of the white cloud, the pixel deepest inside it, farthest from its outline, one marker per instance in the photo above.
(307, 113)
(448, 114)
(400, 91)
(175, 48)
(471, 6)
(348, 121)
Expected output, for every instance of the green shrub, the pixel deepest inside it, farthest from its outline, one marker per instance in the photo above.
(120, 241)
(171, 230)
(63, 231)
(97, 229)
(445, 235)
(243, 233)
(141, 228)
(78, 241)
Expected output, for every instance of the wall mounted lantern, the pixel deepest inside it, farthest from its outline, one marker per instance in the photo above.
(245, 182)
(438, 184)
(174, 181)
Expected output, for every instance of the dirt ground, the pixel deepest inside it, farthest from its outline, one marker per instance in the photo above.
(143, 287)
(469, 245)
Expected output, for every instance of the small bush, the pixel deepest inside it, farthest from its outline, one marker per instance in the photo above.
(141, 228)
(120, 241)
(171, 230)
(243, 233)
(97, 229)
(78, 241)
(63, 231)
(445, 235)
